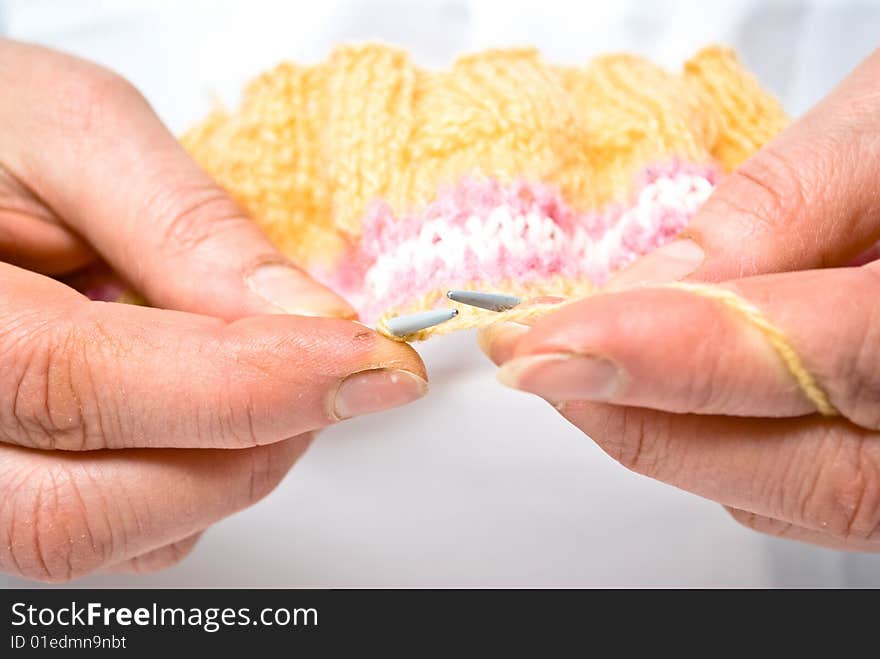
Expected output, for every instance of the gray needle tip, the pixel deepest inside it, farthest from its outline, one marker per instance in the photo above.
(406, 325)
(490, 301)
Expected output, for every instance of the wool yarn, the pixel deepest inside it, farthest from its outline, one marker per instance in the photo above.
(391, 183)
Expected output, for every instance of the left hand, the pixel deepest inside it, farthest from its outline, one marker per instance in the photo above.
(677, 387)
(126, 431)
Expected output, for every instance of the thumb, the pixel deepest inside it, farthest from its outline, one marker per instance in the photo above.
(806, 200)
(92, 149)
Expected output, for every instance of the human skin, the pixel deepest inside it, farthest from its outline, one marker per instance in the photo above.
(676, 387)
(125, 431)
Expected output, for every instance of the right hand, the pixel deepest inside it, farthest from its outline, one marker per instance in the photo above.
(125, 431)
(680, 388)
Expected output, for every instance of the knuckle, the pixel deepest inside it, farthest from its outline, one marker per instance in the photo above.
(239, 425)
(52, 399)
(854, 373)
(632, 450)
(268, 466)
(262, 478)
(856, 491)
(843, 496)
(193, 215)
(638, 440)
(91, 98)
(768, 189)
(225, 417)
(81, 389)
(39, 405)
(709, 387)
(51, 533)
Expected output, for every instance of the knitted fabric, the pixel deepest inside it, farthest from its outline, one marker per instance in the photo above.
(392, 184)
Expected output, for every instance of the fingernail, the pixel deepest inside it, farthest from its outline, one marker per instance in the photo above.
(376, 390)
(498, 340)
(564, 376)
(292, 291)
(673, 261)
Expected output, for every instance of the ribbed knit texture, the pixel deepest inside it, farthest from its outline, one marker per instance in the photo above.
(505, 170)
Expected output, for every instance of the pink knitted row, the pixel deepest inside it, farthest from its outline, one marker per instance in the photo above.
(483, 232)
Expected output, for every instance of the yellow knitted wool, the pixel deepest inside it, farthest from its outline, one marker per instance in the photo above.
(310, 147)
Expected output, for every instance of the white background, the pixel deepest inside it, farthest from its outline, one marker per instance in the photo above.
(474, 485)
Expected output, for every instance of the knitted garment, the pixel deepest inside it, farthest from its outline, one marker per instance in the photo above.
(392, 184)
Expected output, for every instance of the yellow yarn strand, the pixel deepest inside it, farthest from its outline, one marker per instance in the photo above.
(774, 336)
(470, 317)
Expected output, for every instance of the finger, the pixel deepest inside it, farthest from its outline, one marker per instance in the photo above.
(95, 153)
(780, 529)
(76, 374)
(498, 341)
(31, 236)
(681, 351)
(158, 559)
(69, 514)
(806, 200)
(816, 473)
(41, 247)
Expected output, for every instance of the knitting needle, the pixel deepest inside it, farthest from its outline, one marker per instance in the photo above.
(490, 301)
(406, 325)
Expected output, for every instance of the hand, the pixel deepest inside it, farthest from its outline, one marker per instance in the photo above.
(677, 387)
(125, 431)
